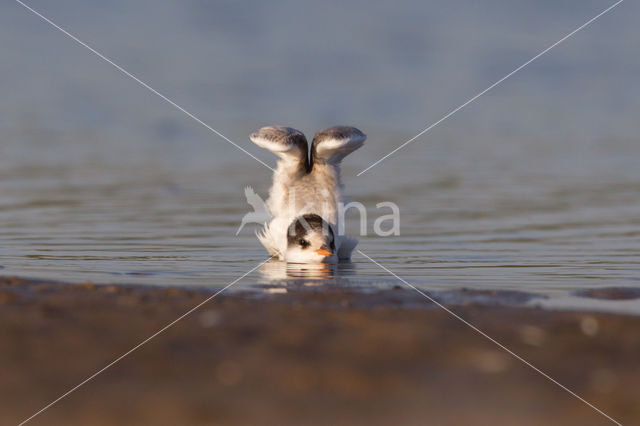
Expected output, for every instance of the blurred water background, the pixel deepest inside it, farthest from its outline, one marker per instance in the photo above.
(535, 186)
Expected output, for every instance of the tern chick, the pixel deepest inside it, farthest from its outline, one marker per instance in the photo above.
(306, 192)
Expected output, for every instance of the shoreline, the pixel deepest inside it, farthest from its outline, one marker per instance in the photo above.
(312, 355)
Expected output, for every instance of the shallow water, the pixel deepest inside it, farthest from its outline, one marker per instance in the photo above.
(535, 187)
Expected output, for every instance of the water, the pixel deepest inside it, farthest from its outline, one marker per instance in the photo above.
(534, 187)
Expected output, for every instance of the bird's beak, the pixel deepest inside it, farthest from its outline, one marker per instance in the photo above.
(324, 251)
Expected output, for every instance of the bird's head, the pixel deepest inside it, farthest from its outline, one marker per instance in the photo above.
(310, 239)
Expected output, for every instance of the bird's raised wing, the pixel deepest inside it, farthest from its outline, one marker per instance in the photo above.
(287, 143)
(333, 144)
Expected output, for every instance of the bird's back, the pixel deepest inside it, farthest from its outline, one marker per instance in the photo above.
(318, 191)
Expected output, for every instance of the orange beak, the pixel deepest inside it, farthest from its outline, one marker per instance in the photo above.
(324, 252)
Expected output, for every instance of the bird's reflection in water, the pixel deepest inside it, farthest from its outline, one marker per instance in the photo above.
(312, 273)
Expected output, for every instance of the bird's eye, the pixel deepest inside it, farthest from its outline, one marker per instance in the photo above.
(303, 243)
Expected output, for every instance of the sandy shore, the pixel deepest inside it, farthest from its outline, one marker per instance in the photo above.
(316, 356)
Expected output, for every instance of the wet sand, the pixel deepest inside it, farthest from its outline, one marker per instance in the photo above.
(323, 355)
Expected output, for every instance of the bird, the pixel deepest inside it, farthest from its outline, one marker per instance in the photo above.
(260, 213)
(306, 192)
